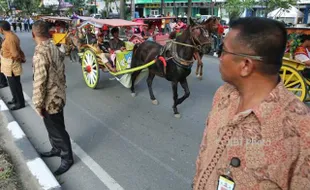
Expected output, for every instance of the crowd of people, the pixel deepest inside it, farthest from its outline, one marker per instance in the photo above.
(22, 23)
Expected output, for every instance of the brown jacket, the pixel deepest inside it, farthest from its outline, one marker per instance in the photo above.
(11, 55)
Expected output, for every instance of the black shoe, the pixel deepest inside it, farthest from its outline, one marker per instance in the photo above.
(3, 85)
(12, 102)
(64, 166)
(51, 153)
(17, 107)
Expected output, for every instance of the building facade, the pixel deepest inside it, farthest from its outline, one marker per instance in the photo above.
(174, 7)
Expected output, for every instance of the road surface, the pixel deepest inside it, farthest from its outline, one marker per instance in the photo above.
(121, 142)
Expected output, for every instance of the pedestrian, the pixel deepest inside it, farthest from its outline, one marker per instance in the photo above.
(26, 24)
(3, 80)
(49, 96)
(12, 58)
(257, 134)
(14, 23)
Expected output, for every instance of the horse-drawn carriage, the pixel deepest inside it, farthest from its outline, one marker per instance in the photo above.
(172, 61)
(292, 70)
(91, 59)
(293, 79)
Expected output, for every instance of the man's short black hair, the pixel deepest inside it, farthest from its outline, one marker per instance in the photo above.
(41, 28)
(266, 37)
(114, 30)
(5, 25)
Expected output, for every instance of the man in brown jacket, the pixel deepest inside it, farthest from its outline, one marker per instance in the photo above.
(12, 58)
(3, 80)
(49, 94)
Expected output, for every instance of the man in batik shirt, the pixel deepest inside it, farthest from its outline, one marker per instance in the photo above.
(49, 94)
(257, 135)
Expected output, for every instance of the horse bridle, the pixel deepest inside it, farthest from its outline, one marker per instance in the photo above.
(197, 46)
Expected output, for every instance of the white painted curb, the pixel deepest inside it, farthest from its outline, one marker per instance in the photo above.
(36, 166)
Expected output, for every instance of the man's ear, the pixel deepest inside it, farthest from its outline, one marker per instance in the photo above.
(247, 67)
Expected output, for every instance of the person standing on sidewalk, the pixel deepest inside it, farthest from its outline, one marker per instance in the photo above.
(257, 134)
(12, 58)
(3, 80)
(49, 94)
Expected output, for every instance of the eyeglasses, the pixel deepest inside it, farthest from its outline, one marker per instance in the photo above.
(221, 50)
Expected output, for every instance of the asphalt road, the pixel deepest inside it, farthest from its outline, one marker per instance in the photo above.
(121, 142)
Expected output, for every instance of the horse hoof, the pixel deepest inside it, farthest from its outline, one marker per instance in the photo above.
(133, 94)
(177, 115)
(200, 77)
(154, 102)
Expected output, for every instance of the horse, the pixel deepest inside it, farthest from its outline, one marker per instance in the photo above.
(211, 26)
(172, 61)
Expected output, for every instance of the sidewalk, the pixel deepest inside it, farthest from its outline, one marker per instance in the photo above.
(33, 172)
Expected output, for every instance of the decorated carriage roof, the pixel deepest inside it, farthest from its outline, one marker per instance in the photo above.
(116, 22)
(56, 18)
(156, 18)
(85, 18)
(85, 23)
(110, 22)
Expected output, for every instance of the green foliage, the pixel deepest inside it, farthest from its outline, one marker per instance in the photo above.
(78, 4)
(4, 7)
(47, 10)
(271, 5)
(235, 8)
(27, 6)
(294, 42)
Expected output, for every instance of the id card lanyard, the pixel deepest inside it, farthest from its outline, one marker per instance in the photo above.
(225, 182)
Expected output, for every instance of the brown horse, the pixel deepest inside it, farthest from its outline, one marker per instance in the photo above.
(211, 27)
(173, 61)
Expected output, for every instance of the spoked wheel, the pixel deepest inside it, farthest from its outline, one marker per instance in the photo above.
(90, 69)
(294, 81)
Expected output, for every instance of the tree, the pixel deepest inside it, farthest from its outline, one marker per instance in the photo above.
(4, 7)
(28, 6)
(235, 8)
(122, 9)
(189, 12)
(271, 5)
(78, 4)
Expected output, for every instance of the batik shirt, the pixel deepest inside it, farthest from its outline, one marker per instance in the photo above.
(49, 78)
(272, 141)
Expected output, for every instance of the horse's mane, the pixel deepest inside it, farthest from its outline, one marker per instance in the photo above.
(209, 24)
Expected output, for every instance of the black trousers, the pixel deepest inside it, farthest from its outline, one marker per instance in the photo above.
(3, 80)
(58, 136)
(16, 90)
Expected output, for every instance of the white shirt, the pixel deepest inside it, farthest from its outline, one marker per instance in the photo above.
(303, 58)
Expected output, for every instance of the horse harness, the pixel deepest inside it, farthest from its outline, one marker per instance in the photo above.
(171, 46)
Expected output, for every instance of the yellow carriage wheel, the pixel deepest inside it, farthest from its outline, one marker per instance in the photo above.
(294, 81)
(90, 69)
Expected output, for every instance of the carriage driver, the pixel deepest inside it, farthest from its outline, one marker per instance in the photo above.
(116, 45)
(302, 54)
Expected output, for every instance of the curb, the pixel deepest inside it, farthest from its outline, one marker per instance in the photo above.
(29, 156)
